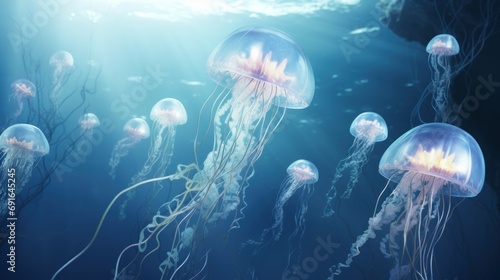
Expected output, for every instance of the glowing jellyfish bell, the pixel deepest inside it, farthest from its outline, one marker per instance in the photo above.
(20, 90)
(21, 145)
(168, 112)
(23, 139)
(88, 122)
(443, 45)
(430, 163)
(135, 130)
(302, 172)
(61, 60)
(441, 154)
(264, 61)
(367, 129)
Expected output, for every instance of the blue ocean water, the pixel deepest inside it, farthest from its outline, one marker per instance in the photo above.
(130, 54)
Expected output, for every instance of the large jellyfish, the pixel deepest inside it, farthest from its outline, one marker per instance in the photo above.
(440, 49)
(367, 129)
(62, 62)
(135, 130)
(21, 89)
(166, 115)
(431, 163)
(21, 145)
(87, 123)
(262, 72)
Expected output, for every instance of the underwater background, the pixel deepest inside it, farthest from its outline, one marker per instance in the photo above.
(359, 65)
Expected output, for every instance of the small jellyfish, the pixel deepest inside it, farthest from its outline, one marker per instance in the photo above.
(20, 90)
(440, 49)
(367, 129)
(166, 115)
(87, 124)
(21, 146)
(430, 164)
(135, 130)
(62, 62)
(301, 174)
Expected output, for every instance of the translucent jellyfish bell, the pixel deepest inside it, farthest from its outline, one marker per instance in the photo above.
(369, 127)
(23, 88)
(21, 146)
(439, 150)
(443, 44)
(61, 59)
(266, 55)
(137, 128)
(24, 137)
(89, 121)
(303, 172)
(168, 112)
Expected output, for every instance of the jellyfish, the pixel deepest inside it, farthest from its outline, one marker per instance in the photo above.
(135, 130)
(87, 124)
(166, 115)
(21, 146)
(21, 89)
(262, 72)
(430, 164)
(301, 174)
(62, 62)
(367, 129)
(440, 49)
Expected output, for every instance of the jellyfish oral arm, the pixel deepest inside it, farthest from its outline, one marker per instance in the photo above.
(120, 150)
(388, 212)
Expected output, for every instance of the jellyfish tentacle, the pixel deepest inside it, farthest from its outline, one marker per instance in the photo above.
(121, 149)
(103, 217)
